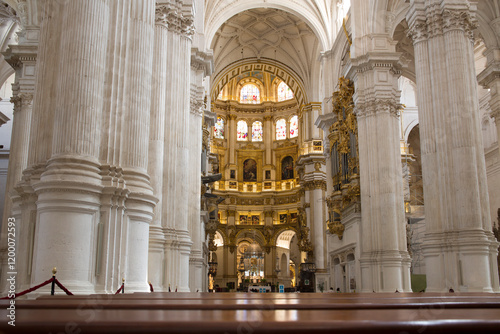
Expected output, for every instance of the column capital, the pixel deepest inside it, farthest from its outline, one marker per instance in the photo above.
(176, 17)
(432, 21)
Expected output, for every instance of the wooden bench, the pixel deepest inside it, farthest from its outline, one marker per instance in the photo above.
(257, 313)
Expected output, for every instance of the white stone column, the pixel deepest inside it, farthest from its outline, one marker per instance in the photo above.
(176, 156)
(200, 67)
(112, 227)
(23, 59)
(156, 148)
(385, 263)
(490, 78)
(69, 189)
(459, 247)
(134, 150)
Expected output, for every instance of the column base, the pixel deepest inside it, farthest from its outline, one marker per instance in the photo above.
(462, 260)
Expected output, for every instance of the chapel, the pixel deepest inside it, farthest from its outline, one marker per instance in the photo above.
(231, 145)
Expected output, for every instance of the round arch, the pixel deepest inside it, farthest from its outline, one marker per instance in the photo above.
(251, 234)
(274, 67)
(215, 17)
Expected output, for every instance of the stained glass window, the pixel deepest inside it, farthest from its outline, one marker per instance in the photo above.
(242, 130)
(250, 94)
(220, 95)
(284, 92)
(219, 128)
(257, 131)
(294, 126)
(281, 129)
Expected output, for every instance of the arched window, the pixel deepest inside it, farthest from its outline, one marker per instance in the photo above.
(287, 168)
(294, 126)
(284, 92)
(281, 129)
(250, 94)
(242, 131)
(219, 128)
(257, 131)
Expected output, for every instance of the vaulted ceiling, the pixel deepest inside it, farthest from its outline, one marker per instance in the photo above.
(266, 33)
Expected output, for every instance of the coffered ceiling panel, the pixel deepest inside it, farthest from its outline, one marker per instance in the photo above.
(267, 33)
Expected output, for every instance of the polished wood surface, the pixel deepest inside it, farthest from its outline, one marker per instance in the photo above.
(257, 313)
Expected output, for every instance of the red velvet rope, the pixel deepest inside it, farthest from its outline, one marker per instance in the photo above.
(31, 289)
(62, 287)
(151, 288)
(120, 289)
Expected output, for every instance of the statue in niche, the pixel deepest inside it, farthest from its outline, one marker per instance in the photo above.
(287, 168)
(250, 170)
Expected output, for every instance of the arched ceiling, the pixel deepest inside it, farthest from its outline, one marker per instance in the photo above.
(267, 33)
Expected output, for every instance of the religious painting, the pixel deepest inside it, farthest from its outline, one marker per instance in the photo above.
(255, 220)
(243, 219)
(250, 170)
(268, 174)
(283, 219)
(294, 218)
(232, 185)
(232, 174)
(268, 185)
(287, 168)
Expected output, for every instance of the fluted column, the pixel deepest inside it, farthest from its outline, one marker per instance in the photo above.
(23, 59)
(176, 157)
(200, 66)
(385, 263)
(69, 188)
(458, 244)
(156, 147)
(135, 141)
(112, 227)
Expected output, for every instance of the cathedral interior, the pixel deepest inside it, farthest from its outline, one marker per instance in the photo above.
(216, 145)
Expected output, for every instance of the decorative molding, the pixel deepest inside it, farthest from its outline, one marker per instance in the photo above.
(172, 16)
(438, 23)
(315, 184)
(378, 106)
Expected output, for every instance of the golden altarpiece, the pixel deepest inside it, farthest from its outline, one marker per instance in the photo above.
(258, 233)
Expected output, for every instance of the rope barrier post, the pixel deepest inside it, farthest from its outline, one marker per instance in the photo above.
(123, 285)
(52, 289)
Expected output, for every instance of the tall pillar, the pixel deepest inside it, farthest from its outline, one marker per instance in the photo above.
(135, 141)
(313, 181)
(384, 261)
(112, 227)
(156, 147)
(175, 193)
(200, 68)
(459, 247)
(69, 188)
(490, 78)
(22, 58)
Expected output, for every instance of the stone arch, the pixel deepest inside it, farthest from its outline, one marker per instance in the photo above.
(251, 234)
(274, 67)
(281, 230)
